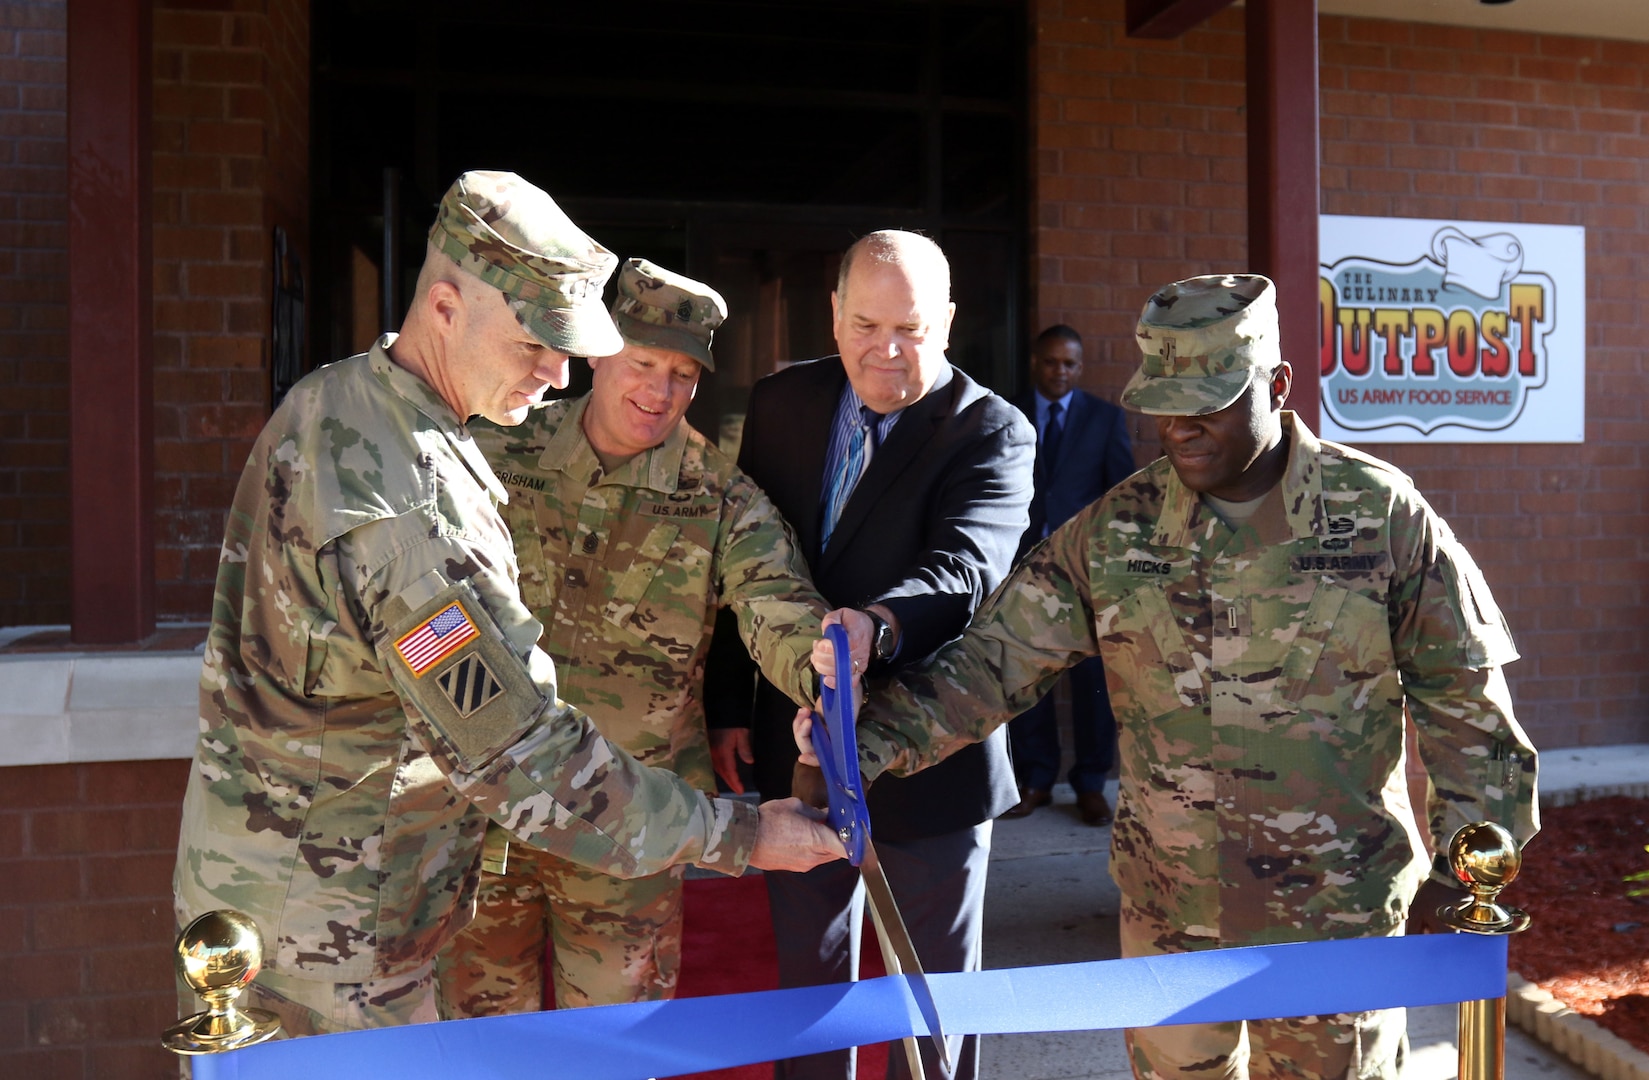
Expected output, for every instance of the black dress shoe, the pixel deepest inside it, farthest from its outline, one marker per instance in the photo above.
(1093, 807)
(1029, 799)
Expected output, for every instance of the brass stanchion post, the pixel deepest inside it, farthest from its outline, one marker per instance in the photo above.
(217, 955)
(1485, 859)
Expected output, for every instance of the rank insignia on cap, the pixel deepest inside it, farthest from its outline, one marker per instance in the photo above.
(436, 638)
(469, 684)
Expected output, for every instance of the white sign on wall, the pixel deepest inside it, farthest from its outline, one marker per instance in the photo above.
(1452, 331)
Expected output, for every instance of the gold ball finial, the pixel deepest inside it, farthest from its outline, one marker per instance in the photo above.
(219, 950)
(1484, 857)
(218, 954)
(1485, 853)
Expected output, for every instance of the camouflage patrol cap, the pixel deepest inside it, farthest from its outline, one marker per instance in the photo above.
(665, 310)
(513, 236)
(1202, 339)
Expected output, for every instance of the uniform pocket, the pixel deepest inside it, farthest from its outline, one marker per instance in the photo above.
(656, 601)
(537, 589)
(632, 585)
(1150, 669)
(1488, 641)
(1340, 662)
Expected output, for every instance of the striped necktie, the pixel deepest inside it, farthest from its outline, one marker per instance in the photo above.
(855, 459)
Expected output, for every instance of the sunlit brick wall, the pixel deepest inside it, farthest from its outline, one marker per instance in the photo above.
(231, 162)
(1139, 175)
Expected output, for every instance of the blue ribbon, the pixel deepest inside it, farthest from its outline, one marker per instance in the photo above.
(668, 1038)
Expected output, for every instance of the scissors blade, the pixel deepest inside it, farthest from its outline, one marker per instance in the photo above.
(898, 952)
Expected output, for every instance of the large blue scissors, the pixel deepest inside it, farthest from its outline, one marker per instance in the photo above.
(837, 748)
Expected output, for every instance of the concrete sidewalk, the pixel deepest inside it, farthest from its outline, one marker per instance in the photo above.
(1051, 901)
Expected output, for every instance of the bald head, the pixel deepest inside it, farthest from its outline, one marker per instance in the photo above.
(921, 259)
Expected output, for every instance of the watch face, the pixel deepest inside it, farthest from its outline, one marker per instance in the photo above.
(884, 640)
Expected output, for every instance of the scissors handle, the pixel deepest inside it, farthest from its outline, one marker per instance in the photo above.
(838, 701)
(837, 749)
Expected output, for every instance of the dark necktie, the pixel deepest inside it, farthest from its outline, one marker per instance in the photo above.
(861, 446)
(1052, 432)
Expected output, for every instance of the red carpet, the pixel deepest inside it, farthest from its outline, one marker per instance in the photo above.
(727, 948)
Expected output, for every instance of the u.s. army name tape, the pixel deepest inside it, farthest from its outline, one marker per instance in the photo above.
(668, 1038)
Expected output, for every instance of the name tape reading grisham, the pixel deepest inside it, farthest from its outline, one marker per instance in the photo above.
(1451, 331)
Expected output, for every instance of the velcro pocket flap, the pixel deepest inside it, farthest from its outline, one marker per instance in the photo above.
(632, 585)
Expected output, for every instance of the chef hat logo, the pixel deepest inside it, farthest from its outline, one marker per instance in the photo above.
(1478, 264)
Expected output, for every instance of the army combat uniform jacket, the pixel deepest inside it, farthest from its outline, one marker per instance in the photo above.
(372, 694)
(1259, 677)
(626, 571)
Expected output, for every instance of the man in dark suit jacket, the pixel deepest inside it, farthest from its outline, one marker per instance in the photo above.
(1082, 451)
(918, 536)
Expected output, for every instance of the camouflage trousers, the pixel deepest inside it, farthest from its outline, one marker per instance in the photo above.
(613, 940)
(308, 1007)
(1342, 1046)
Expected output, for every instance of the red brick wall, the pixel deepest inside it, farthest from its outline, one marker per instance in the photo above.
(230, 163)
(34, 421)
(1138, 171)
(1442, 122)
(1139, 179)
(86, 851)
(86, 855)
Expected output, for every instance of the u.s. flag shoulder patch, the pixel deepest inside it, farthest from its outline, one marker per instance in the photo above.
(436, 638)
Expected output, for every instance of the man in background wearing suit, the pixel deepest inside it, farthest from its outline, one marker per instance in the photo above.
(1082, 451)
(907, 485)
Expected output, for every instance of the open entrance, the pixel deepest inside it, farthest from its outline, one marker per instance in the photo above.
(743, 143)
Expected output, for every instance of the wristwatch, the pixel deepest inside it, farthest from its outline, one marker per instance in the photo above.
(882, 641)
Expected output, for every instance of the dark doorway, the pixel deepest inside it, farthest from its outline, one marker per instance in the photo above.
(744, 143)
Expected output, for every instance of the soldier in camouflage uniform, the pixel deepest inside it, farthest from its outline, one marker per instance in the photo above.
(632, 529)
(372, 693)
(1266, 605)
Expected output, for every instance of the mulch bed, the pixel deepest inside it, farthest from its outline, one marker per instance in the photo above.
(1588, 944)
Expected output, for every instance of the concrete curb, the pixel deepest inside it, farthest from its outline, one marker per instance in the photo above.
(1579, 1038)
(1597, 1050)
(1632, 790)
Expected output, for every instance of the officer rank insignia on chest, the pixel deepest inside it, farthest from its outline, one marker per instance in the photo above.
(436, 638)
(469, 684)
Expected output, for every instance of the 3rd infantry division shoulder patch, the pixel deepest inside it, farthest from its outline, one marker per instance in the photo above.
(436, 638)
(469, 684)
